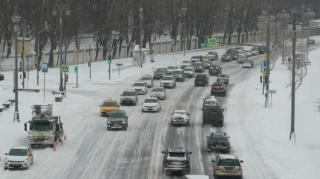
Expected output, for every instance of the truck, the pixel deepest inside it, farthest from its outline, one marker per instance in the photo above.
(44, 128)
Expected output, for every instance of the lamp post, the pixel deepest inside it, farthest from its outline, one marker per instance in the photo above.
(183, 10)
(268, 59)
(61, 8)
(15, 19)
(140, 10)
(225, 32)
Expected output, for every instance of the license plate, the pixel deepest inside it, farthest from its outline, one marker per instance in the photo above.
(219, 145)
(176, 163)
(200, 82)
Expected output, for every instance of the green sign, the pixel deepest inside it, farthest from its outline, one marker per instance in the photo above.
(265, 84)
(202, 44)
(212, 42)
(76, 69)
(89, 64)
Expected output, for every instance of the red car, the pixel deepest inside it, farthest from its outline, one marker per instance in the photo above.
(218, 88)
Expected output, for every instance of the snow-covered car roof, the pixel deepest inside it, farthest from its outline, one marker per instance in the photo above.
(210, 98)
(20, 147)
(180, 111)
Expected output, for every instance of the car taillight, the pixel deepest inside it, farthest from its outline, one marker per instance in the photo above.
(240, 168)
(185, 161)
(217, 168)
(167, 160)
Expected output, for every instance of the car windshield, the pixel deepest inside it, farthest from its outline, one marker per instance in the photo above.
(167, 78)
(172, 67)
(177, 72)
(148, 100)
(173, 154)
(128, 94)
(157, 90)
(117, 115)
(240, 56)
(145, 78)
(108, 104)
(211, 53)
(222, 76)
(220, 138)
(41, 125)
(195, 57)
(180, 112)
(201, 77)
(228, 162)
(197, 64)
(217, 84)
(188, 69)
(225, 55)
(186, 62)
(138, 84)
(18, 152)
(160, 70)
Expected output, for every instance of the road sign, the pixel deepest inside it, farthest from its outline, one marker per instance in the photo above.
(265, 56)
(76, 69)
(65, 69)
(173, 42)
(212, 42)
(265, 63)
(265, 84)
(202, 44)
(272, 91)
(89, 64)
(264, 71)
(44, 67)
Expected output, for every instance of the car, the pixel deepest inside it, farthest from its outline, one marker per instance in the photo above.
(117, 119)
(214, 70)
(168, 82)
(254, 51)
(201, 79)
(218, 141)
(226, 58)
(128, 97)
(189, 72)
(140, 87)
(185, 63)
(247, 53)
(180, 117)
(159, 73)
(242, 53)
(176, 160)
(170, 69)
(148, 79)
(19, 157)
(248, 64)
(1, 77)
(218, 88)
(210, 101)
(158, 92)
(212, 115)
(213, 54)
(311, 42)
(261, 49)
(233, 52)
(198, 67)
(239, 48)
(108, 106)
(151, 104)
(178, 75)
(242, 59)
(206, 64)
(224, 78)
(195, 59)
(196, 177)
(226, 165)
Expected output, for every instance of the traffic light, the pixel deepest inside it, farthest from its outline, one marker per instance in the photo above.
(76, 69)
(89, 64)
(67, 78)
(109, 59)
(265, 79)
(260, 79)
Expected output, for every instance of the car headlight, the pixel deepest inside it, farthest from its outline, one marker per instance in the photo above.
(6, 160)
(123, 122)
(26, 160)
(108, 122)
(30, 135)
(151, 94)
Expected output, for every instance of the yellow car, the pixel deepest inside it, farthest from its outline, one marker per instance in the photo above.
(108, 106)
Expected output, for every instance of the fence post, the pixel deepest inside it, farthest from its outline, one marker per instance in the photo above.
(54, 59)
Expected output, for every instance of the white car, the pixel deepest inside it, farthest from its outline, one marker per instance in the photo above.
(148, 80)
(180, 117)
(140, 87)
(19, 157)
(168, 82)
(247, 52)
(185, 63)
(151, 104)
(189, 72)
(170, 69)
(158, 92)
(248, 64)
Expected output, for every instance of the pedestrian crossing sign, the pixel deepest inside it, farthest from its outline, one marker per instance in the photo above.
(65, 69)
(212, 42)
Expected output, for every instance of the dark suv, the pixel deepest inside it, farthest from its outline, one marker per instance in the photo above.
(201, 79)
(198, 67)
(214, 70)
(218, 141)
(176, 160)
(212, 115)
(159, 73)
(117, 119)
(261, 49)
(233, 52)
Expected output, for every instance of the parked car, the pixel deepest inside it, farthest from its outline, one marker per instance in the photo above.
(180, 117)
(151, 104)
(223, 78)
(185, 63)
(312, 42)
(19, 157)
(201, 79)
(168, 82)
(189, 72)
(219, 88)
(1, 77)
(214, 70)
(118, 119)
(218, 141)
(148, 79)
(158, 92)
(176, 160)
(170, 69)
(129, 97)
(248, 64)
(159, 73)
(108, 106)
(178, 75)
(140, 87)
(227, 166)
(226, 58)
(198, 67)
(214, 55)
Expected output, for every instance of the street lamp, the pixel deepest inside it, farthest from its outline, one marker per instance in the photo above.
(140, 10)
(225, 32)
(268, 57)
(66, 10)
(184, 10)
(15, 19)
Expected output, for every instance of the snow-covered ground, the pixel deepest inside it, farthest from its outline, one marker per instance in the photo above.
(259, 135)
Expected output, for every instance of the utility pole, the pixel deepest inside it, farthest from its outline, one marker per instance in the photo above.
(268, 61)
(293, 82)
(140, 10)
